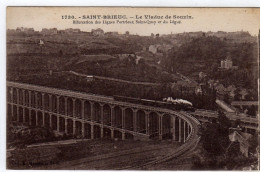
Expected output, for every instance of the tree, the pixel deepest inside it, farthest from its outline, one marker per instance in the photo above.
(226, 98)
(237, 123)
(237, 97)
(252, 111)
(248, 97)
(214, 136)
(253, 143)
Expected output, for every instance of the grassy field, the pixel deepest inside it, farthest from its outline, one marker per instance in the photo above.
(65, 154)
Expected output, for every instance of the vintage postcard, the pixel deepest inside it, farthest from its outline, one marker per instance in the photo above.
(123, 88)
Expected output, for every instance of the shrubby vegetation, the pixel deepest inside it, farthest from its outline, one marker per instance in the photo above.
(194, 55)
(29, 135)
(205, 53)
(217, 151)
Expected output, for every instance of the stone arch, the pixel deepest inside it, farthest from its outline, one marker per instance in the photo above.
(153, 123)
(185, 129)
(129, 119)
(9, 94)
(61, 124)
(33, 99)
(39, 118)
(33, 117)
(54, 122)
(117, 117)
(106, 132)
(87, 110)
(26, 113)
(97, 131)
(46, 102)
(167, 126)
(87, 129)
(39, 100)
(54, 103)
(9, 112)
(129, 136)
(26, 98)
(107, 114)
(47, 120)
(14, 95)
(14, 113)
(20, 96)
(20, 117)
(140, 121)
(70, 126)
(178, 131)
(78, 129)
(96, 112)
(77, 108)
(117, 134)
(62, 105)
(189, 129)
(70, 106)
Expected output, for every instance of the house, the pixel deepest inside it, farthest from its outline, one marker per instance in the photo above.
(164, 48)
(221, 90)
(202, 75)
(41, 42)
(97, 32)
(71, 30)
(153, 48)
(213, 83)
(198, 90)
(231, 90)
(112, 33)
(51, 31)
(145, 48)
(186, 87)
(237, 136)
(90, 78)
(11, 31)
(243, 93)
(25, 30)
(227, 64)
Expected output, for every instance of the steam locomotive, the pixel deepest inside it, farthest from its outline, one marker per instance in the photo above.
(173, 105)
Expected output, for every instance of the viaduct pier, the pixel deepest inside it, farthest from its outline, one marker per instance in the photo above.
(94, 116)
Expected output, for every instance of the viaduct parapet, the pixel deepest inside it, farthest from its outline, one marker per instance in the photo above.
(93, 116)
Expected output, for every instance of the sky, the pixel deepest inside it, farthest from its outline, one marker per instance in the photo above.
(203, 19)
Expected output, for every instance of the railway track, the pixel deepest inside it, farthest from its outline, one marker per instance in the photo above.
(183, 150)
(140, 158)
(110, 156)
(187, 147)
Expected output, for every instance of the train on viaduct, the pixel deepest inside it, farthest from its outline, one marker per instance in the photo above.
(93, 116)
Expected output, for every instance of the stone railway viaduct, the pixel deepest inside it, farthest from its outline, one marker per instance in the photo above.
(93, 116)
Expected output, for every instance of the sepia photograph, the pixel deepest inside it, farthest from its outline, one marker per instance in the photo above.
(123, 88)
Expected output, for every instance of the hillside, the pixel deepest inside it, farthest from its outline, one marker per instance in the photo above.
(41, 59)
(204, 54)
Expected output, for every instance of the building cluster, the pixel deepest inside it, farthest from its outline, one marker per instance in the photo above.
(227, 64)
(23, 29)
(55, 31)
(52, 31)
(97, 32)
(230, 90)
(158, 48)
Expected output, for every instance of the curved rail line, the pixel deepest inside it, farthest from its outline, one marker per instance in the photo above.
(191, 140)
(184, 149)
